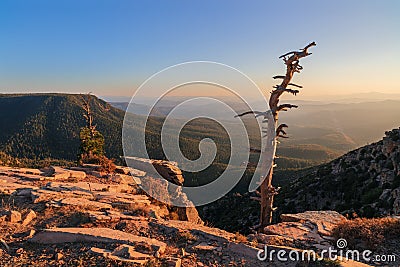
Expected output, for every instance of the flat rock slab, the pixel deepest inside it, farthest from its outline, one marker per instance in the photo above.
(101, 195)
(8, 187)
(140, 258)
(328, 216)
(271, 239)
(111, 215)
(204, 247)
(205, 232)
(61, 173)
(293, 230)
(89, 187)
(48, 195)
(128, 170)
(85, 203)
(33, 177)
(28, 171)
(122, 199)
(324, 221)
(101, 235)
(23, 173)
(125, 179)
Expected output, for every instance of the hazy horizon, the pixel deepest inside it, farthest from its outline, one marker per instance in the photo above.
(108, 49)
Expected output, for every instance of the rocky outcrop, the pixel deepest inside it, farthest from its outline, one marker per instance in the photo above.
(123, 253)
(365, 181)
(167, 169)
(101, 235)
(160, 188)
(324, 221)
(311, 229)
(117, 223)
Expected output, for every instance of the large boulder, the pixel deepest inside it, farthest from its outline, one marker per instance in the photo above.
(167, 169)
(29, 217)
(14, 216)
(97, 235)
(160, 188)
(324, 221)
(310, 228)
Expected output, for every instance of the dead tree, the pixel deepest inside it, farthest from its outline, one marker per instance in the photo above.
(267, 191)
(88, 113)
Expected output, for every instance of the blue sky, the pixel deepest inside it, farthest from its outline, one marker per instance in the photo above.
(111, 47)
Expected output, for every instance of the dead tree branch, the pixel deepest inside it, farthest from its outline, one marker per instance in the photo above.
(285, 107)
(248, 112)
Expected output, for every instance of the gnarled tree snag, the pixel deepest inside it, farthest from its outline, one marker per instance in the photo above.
(267, 190)
(88, 115)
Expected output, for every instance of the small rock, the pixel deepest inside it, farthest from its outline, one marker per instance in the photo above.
(77, 174)
(29, 217)
(60, 173)
(122, 179)
(157, 254)
(129, 252)
(85, 203)
(24, 192)
(204, 247)
(31, 233)
(14, 216)
(58, 256)
(20, 251)
(4, 244)
(183, 252)
(98, 174)
(173, 262)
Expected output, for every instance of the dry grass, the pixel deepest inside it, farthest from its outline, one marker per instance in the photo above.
(371, 233)
(185, 236)
(138, 209)
(173, 216)
(240, 238)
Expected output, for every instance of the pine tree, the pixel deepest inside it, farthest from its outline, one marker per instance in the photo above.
(92, 141)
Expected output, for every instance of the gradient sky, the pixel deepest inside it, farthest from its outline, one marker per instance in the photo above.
(111, 47)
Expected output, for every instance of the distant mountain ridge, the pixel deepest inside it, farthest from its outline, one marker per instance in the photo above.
(341, 127)
(48, 125)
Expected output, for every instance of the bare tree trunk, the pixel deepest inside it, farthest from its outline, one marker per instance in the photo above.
(267, 190)
(88, 113)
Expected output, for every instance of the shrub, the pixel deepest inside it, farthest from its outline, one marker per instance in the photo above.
(240, 238)
(106, 165)
(371, 195)
(7, 160)
(370, 232)
(185, 236)
(139, 210)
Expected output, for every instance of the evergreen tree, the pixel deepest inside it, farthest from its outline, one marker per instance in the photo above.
(92, 141)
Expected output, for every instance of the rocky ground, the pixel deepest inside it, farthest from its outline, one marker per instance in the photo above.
(82, 217)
